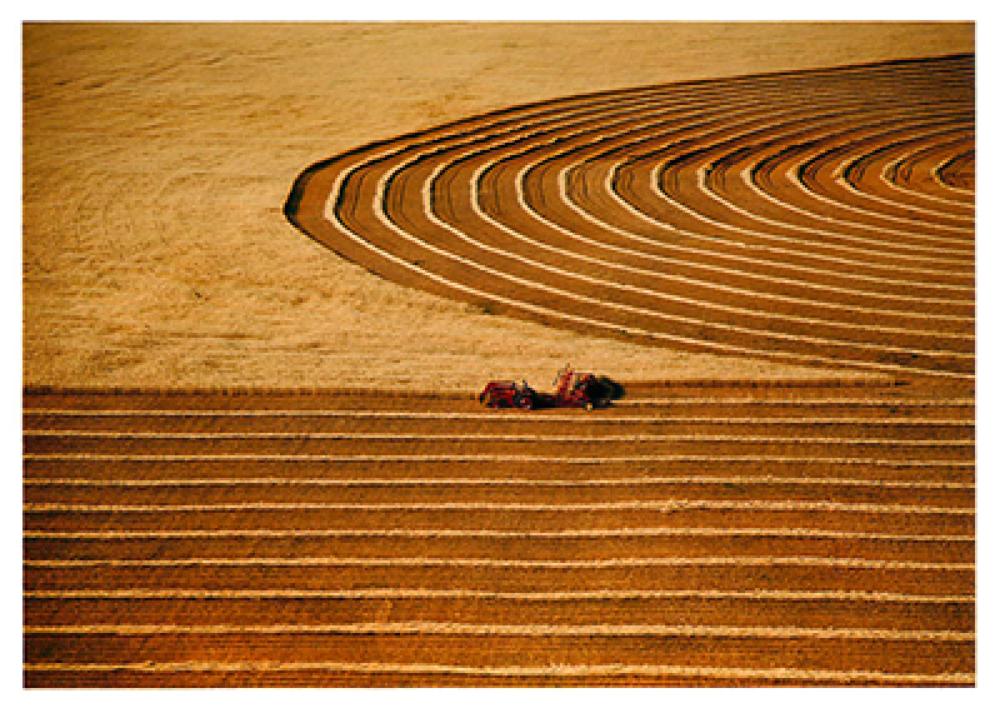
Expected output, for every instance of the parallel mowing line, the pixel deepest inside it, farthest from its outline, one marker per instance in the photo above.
(474, 186)
(791, 175)
(634, 122)
(532, 459)
(513, 672)
(804, 402)
(563, 179)
(655, 185)
(860, 132)
(840, 176)
(702, 171)
(486, 482)
(668, 532)
(644, 127)
(656, 177)
(458, 594)
(634, 236)
(330, 214)
(605, 137)
(517, 630)
(592, 564)
(672, 298)
(526, 208)
(614, 304)
(822, 157)
(884, 179)
(664, 505)
(935, 173)
(386, 218)
(493, 437)
(338, 181)
(898, 173)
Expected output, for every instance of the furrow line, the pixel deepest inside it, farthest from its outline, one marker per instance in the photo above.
(535, 630)
(647, 562)
(701, 172)
(332, 217)
(489, 482)
(639, 238)
(429, 213)
(660, 505)
(490, 437)
(520, 178)
(623, 532)
(792, 175)
(536, 459)
(526, 672)
(531, 596)
(848, 176)
(500, 417)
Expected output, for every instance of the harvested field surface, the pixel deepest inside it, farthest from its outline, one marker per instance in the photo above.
(157, 157)
(803, 533)
(818, 217)
(744, 526)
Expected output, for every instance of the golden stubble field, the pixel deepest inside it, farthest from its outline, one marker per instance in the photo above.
(189, 520)
(157, 158)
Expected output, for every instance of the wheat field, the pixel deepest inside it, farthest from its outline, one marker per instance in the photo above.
(157, 159)
(268, 267)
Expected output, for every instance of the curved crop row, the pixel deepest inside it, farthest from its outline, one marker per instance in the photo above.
(810, 217)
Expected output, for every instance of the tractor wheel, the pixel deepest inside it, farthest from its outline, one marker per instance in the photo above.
(523, 402)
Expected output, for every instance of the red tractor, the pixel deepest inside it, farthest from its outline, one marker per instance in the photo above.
(573, 390)
(509, 394)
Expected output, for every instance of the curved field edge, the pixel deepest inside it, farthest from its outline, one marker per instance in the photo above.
(181, 270)
(307, 211)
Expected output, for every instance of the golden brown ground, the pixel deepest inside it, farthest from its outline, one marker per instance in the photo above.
(157, 158)
(800, 533)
